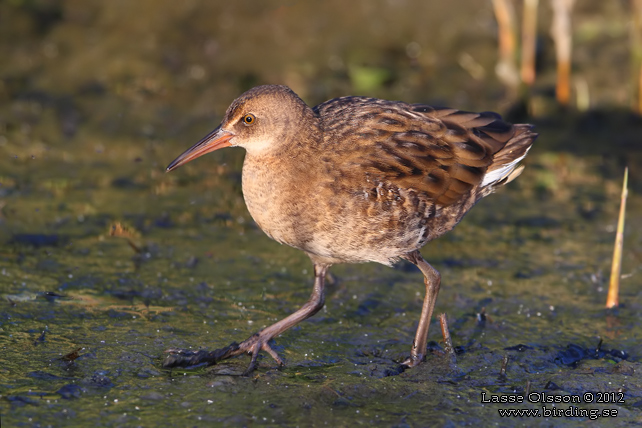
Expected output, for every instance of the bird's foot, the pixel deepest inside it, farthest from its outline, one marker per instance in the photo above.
(252, 346)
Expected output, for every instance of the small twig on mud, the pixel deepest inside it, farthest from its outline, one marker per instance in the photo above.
(40, 338)
(481, 317)
(528, 387)
(118, 230)
(502, 370)
(612, 299)
(331, 390)
(72, 355)
(448, 343)
(599, 346)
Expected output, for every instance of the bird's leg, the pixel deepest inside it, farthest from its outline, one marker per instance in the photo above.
(258, 341)
(432, 279)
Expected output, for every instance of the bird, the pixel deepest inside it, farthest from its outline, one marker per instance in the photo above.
(354, 180)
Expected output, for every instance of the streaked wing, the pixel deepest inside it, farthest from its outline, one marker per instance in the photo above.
(440, 153)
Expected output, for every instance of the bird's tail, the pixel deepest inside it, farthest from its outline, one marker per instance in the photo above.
(505, 167)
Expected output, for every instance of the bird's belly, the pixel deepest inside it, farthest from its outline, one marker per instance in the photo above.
(380, 238)
(363, 224)
(382, 224)
(339, 223)
(340, 234)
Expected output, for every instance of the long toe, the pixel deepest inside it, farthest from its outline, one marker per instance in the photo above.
(267, 348)
(253, 345)
(412, 361)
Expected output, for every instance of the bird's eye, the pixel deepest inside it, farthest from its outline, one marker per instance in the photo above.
(249, 119)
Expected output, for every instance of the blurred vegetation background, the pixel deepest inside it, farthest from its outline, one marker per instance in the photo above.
(167, 70)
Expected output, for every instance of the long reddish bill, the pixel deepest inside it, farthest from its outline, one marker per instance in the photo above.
(215, 140)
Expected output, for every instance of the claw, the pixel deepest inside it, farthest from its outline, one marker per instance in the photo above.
(267, 348)
(413, 361)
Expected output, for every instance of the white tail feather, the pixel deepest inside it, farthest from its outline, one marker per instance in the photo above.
(502, 172)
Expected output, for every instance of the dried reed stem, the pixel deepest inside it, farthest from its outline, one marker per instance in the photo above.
(529, 40)
(616, 266)
(636, 50)
(506, 69)
(562, 36)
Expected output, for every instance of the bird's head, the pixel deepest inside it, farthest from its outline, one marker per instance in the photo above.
(260, 121)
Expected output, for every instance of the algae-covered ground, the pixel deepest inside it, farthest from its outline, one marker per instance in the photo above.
(106, 261)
